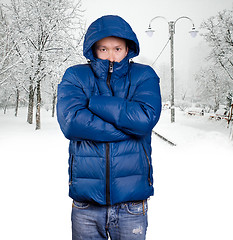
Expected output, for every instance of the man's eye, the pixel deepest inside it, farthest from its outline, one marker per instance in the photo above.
(118, 49)
(102, 49)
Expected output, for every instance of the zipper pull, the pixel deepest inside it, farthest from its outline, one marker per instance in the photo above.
(110, 69)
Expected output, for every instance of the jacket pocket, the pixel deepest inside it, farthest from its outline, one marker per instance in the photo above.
(148, 164)
(71, 169)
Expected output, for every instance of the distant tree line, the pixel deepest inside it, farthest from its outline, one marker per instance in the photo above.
(39, 39)
(213, 83)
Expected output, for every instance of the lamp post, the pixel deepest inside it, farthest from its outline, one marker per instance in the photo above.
(171, 25)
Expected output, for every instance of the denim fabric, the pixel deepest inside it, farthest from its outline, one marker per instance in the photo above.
(125, 221)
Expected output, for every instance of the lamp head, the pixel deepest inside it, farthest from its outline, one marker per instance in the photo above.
(193, 32)
(149, 31)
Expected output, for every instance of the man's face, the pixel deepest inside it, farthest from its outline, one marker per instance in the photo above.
(113, 49)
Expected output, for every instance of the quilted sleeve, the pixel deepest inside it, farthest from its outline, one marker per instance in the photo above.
(76, 121)
(136, 116)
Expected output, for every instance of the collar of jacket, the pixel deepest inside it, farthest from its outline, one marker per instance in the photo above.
(101, 68)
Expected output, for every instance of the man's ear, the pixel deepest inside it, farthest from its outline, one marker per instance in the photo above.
(127, 50)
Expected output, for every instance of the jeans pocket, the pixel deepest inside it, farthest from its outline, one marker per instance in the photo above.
(80, 205)
(137, 208)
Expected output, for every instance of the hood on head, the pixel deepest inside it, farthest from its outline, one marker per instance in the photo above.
(107, 26)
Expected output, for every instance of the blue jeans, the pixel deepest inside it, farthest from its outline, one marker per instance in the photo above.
(125, 221)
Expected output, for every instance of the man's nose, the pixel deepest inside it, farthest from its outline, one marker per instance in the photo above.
(111, 57)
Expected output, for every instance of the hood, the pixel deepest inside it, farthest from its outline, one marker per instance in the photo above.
(107, 26)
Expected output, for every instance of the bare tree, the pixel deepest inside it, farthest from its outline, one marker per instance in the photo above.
(212, 87)
(7, 53)
(215, 80)
(218, 32)
(45, 32)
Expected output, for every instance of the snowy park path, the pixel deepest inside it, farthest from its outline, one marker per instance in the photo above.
(193, 181)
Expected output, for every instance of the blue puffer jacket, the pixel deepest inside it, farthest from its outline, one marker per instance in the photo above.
(109, 127)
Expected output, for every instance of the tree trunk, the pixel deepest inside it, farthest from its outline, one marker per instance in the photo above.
(38, 104)
(5, 108)
(54, 103)
(17, 102)
(6, 105)
(216, 107)
(30, 104)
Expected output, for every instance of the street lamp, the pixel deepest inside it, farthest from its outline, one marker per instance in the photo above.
(171, 25)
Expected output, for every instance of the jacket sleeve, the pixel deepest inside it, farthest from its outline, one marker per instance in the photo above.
(136, 116)
(76, 121)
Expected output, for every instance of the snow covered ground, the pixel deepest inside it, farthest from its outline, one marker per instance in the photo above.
(193, 181)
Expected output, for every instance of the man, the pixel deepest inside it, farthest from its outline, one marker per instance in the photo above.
(107, 109)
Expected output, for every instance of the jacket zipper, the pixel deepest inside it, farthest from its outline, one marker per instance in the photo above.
(148, 161)
(108, 202)
(110, 71)
(107, 175)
